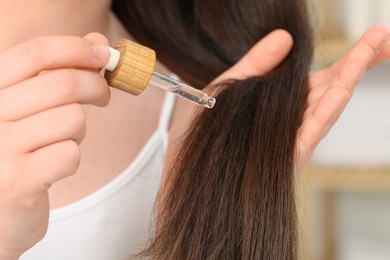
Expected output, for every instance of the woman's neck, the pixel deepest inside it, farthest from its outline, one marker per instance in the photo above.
(24, 19)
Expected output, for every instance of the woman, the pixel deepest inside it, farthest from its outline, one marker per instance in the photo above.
(53, 79)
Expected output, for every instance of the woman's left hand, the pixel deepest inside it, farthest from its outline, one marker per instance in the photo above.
(330, 89)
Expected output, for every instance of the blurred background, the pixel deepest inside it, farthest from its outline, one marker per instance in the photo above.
(344, 194)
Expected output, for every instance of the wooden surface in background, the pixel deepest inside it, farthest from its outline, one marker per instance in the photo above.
(329, 181)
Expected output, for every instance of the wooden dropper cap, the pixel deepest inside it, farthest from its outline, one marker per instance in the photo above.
(133, 69)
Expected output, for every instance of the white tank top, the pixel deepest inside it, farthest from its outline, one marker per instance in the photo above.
(115, 221)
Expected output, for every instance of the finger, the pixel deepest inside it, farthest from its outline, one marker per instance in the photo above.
(355, 64)
(309, 135)
(335, 97)
(95, 37)
(262, 57)
(350, 69)
(324, 113)
(349, 72)
(51, 126)
(52, 89)
(318, 83)
(373, 40)
(29, 58)
(52, 163)
(382, 55)
(318, 121)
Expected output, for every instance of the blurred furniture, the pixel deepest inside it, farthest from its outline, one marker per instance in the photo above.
(329, 181)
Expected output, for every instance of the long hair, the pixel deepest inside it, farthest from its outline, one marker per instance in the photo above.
(231, 190)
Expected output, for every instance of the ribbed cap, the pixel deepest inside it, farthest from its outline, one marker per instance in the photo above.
(135, 67)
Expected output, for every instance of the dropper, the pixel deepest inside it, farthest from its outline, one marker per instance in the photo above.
(131, 69)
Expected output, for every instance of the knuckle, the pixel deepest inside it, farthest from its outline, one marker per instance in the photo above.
(65, 82)
(64, 164)
(11, 185)
(341, 93)
(103, 94)
(8, 169)
(362, 53)
(7, 144)
(76, 112)
(76, 48)
(77, 121)
(255, 61)
(71, 156)
(34, 50)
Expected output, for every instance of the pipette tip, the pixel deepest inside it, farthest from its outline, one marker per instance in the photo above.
(209, 103)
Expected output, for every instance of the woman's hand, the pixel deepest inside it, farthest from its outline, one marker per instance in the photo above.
(43, 82)
(330, 89)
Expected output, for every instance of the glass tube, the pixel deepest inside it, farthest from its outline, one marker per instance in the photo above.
(181, 89)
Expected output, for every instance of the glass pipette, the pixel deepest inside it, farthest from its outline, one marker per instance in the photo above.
(131, 69)
(181, 89)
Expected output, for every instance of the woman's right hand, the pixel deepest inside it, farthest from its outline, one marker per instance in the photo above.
(43, 83)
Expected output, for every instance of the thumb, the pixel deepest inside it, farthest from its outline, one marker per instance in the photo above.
(264, 56)
(95, 37)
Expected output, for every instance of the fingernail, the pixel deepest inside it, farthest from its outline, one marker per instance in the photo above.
(101, 51)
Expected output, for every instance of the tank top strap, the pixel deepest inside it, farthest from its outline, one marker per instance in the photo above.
(166, 112)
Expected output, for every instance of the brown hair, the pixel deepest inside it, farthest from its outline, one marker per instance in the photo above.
(231, 189)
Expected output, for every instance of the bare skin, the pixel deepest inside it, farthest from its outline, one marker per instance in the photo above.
(89, 122)
(109, 130)
(106, 121)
